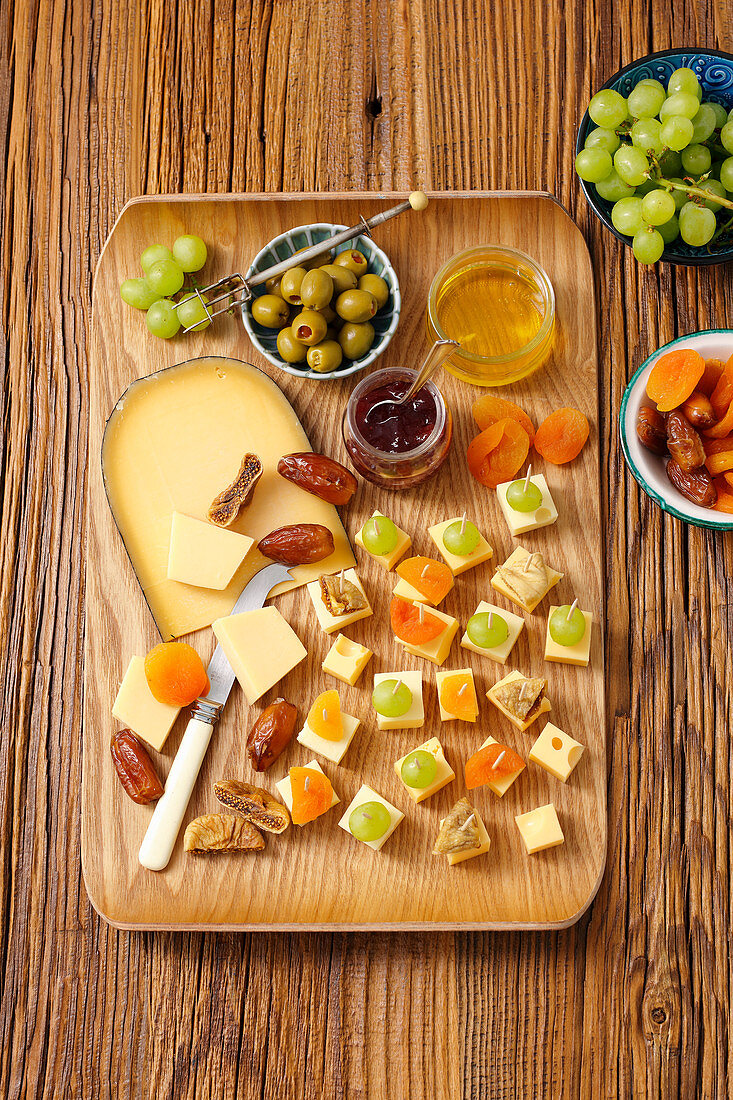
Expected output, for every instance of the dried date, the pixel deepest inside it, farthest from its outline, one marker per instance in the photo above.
(135, 769)
(695, 485)
(270, 734)
(698, 410)
(320, 475)
(652, 430)
(298, 544)
(683, 443)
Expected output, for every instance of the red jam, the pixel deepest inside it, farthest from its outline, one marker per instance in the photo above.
(395, 428)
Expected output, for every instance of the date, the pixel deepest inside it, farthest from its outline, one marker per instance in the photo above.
(135, 769)
(698, 410)
(683, 442)
(652, 430)
(271, 733)
(695, 485)
(298, 544)
(320, 475)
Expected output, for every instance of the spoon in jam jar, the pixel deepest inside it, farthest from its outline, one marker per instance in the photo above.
(436, 355)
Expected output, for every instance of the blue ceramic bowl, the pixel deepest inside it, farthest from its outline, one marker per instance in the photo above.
(385, 321)
(714, 70)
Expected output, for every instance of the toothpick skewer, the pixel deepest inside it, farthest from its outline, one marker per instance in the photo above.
(499, 759)
(341, 583)
(307, 783)
(420, 612)
(528, 562)
(528, 477)
(463, 524)
(467, 822)
(571, 609)
(397, 687)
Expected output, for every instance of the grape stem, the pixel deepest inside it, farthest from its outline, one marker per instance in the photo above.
(697, 192)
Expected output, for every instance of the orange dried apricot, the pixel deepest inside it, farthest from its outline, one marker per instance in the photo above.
(561, 436)
(458, 696)
(432, 579)
(176, 674)
(411, 623)
(487, 410)
(498, 453)
(673, 378)
(312, 794)
(729, 478)
(715, 446)
(492, 762)
(724, 503)
(720, 462)
(324, 717)
(723, 427)
(710, 376)
(722, 395)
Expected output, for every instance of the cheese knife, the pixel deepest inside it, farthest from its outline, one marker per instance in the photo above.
(165, 824)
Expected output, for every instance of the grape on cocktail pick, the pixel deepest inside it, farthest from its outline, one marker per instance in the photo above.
(461, 538)
(567, 624)
(369, 821)
(523, 495)
(419, 769)
(391, 698)
(379, 535)
(486, 629)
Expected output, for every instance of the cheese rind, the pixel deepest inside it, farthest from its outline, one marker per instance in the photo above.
(346, 660)
(443, 775)
(204, 555)
(329, 622)
(387, 561)
(415, 716)
(285, 788)
(456, 563)
(518, 557)
(540, 828)
(436, 650)
(261, 647)
(440, 678)
(556, 752)
(543, 708)
(521, 522)
(578, 654)
(497, 653)
(137, 707)
(502, 785)
(367, 794)
(332, 750)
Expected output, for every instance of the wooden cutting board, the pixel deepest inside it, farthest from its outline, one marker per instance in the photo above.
(318, 876)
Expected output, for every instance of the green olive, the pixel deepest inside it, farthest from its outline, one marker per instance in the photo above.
(316, 290)
(271, 311)
(356, 305)
(332, 333)
(273, 286)
(376, 286)
(356, 340)
(352, 261)
(317, 261)
(325, 357)
(291, 283)
(343, 279)
(290, 349)
(309, 327)
(329, 313)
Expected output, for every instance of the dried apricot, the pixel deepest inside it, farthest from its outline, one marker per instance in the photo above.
(412, 624)
(673, 377)
(729, 478)
(312, 794)
(720, 462)
(324, 717)
(710, 376)
(724, 503)
(487, 410)
(432, 579)
(458, 696)
(176, 674)
(498, 453)
(722, 395)
(561, 436)
(723, 427)
(491, 762)
(715, 446)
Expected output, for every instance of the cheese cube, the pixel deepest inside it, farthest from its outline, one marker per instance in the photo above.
(460, 857)
(521, 522)
(578, 654)
(388, 561)
(346, 660)
(540, 828)
(436, 650)
(331, 622)
(415, 716)
(285, 788)
(556, 752)
(521, 725)
(261, 647)
(204, 555)
(366, 794)
(443, 776)
(497, 653)
(440, 677)
(408, 591)
(459, 563)
(332, 750)
(518, 557)
(137, 708)
(501, 785)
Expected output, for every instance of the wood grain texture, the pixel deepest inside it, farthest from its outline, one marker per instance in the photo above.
(104, 102)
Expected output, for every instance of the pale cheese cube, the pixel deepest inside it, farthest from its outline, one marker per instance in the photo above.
(366, 794)
(138, 709)
(330, 622)
(501, 785)
(443, 776)
(518, 722)
(518, 557)
(485, 843)
(415, 716)
(556, 752)
(497, 653)
(440, 678)
(346, 660)
(285, 788)
(388, 561)
(540, 828)
(456, 563)
(261, 647)
(436, 650)
(578, 654)
(204, 555)
(521, 522)
(332, 750)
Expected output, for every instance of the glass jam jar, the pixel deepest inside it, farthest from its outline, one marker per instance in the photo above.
(397, 446)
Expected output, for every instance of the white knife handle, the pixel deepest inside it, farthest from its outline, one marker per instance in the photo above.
(165, 824)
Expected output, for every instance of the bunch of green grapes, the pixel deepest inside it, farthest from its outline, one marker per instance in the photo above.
(165, 273)
(665, 160)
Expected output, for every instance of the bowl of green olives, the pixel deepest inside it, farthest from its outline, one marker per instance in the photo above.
(329, 317)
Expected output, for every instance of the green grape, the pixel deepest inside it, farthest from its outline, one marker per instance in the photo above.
(600, 138)
(593, 165)
(730, 115)
(683, 80)
(657, 207)
(703, 123)
(680, 104)
(670, 163)
(631, 165)
(670, 230)
(192, 314)
(486, 629)
(626, 215)
(721, 115)
(649, 82)
(726, 173)
(645, 187)
(137, 293)
(189, 252)
(461, 538)
(697, 224)
(646, 135)
(713, 187)
(645, 101)
(726, 136)
(523, 497)
(419, 769)
(680, 197)
(567, 626)
(165, 278)
(696, 159)
(648, 245)
(153, 255)
(608, 108)
(613, 188)
(391, 701)
(162, 319)
(369, 821)
(379, 535)
(677, 132)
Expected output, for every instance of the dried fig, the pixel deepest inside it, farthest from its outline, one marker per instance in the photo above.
(222, 833)
(255, 804)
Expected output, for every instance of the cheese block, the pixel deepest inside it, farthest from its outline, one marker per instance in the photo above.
(346, 660)
(285, 788)
(387, 561)
(498, 653)
(204, 555)
(332, 750)
(174, 441)
(367, 794)
(331, 622)
(261, 647)
(540, 828)
(521, 522)
(443, 775)
(459, 563)
(578, 654)
(137, 708)
(556, 752)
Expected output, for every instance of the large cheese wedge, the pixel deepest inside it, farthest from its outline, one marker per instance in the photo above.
(261, 647)
(204, 555)
(173, 441)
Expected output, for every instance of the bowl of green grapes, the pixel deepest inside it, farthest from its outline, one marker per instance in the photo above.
(655, 156)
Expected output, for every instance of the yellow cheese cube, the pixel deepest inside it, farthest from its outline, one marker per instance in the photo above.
(261, 647)
(497, 653)
(518, 557)
(540, 828)
(415, 716)
(459, 563)
(578, 654)
(443, 776)
(388, 561)
(346, 660)
(436, 650)
(501, 786)
(408, 591)
(521, 522)
(366, 794)
(440, 677)
(330, 622)
(138, 709)
(461, 857)
(285, 788)
(204, 555)
(332, 750)
(521, 725)
(556, 752)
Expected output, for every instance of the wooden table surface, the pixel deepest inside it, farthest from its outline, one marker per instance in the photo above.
(105, 100)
